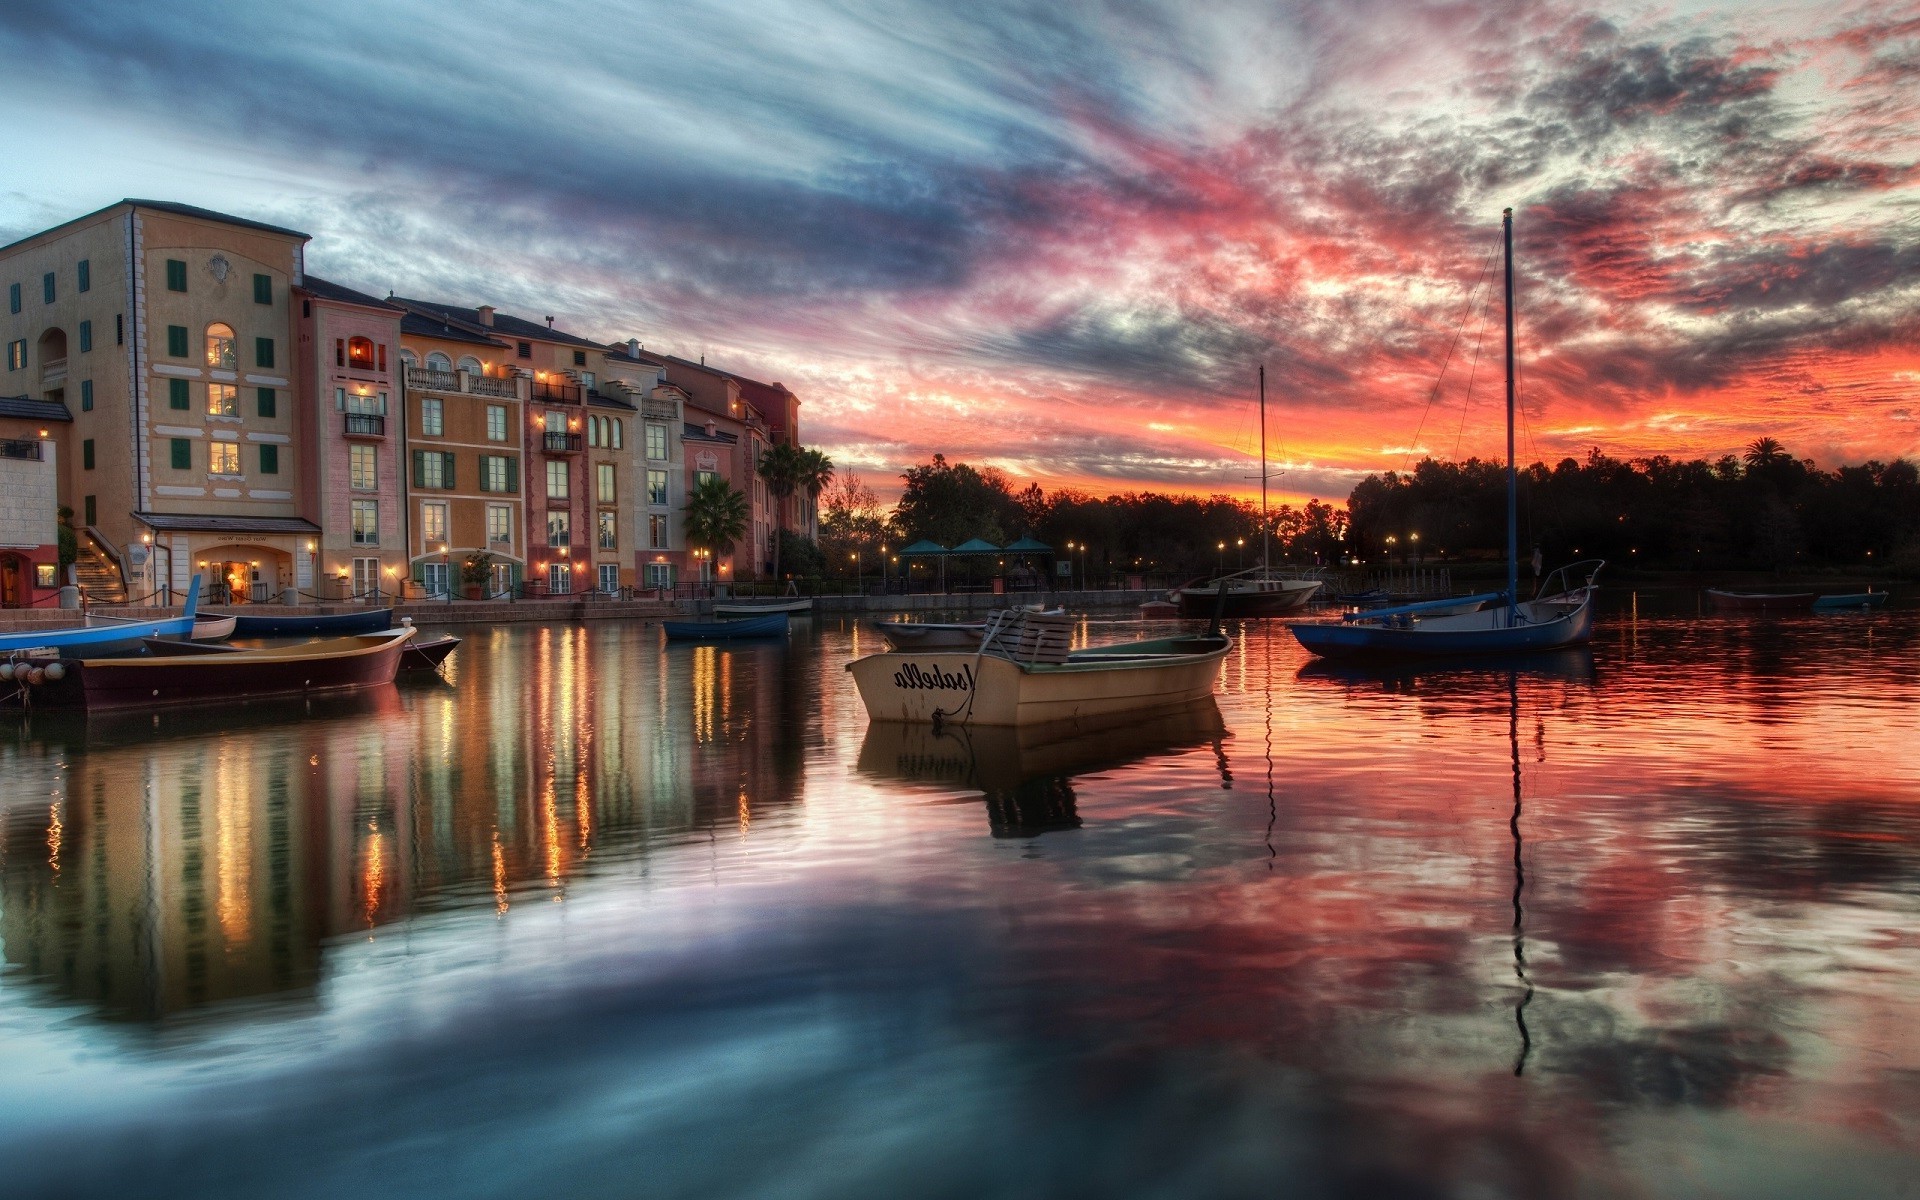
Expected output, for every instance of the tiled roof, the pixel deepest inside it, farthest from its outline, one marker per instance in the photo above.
(33, 410)
(184, 521)
(698, 433)
(166, 206)
(326, 290)
(606, 401)
(504, 324)
(414, 323)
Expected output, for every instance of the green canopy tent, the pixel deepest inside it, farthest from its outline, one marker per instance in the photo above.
(926, 548)
(973, 548)
(1030, 545)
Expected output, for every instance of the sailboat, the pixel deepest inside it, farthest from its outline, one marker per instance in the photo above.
(1560, 614)
(1257, 591)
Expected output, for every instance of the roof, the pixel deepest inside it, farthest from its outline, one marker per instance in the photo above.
(1029, 545)
(504, 324)
(924, 546)
(168, 206)
(605, 401)
(186, 521)
(33, 410)
(698, 433)
(325, 290)
(414, 323)
(975, 546)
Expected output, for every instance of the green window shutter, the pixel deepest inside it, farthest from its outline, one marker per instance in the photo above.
(182, 454)
(86, 395)
(269, 460)
(86, 336)
(13, 297)
(446, 470)
(83, 275)
(513, 474)
(263, 352)
(176, 341)
(269, 403)
(176, 275)
(86, 454)
(177, 396)
(263, 289)
(93, 511)
(46, 287)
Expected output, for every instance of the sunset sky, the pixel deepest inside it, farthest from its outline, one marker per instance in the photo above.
(1060, 238)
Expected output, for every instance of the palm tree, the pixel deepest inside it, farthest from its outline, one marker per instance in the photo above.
(716, 516)
(780, 467)
(1764, 453)
(816, 472)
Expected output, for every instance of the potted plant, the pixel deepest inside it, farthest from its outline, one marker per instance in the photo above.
(474, 574)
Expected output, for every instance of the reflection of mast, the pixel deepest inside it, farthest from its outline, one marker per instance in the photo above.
(1273, 810)
(1519, 879)
(1264, 564)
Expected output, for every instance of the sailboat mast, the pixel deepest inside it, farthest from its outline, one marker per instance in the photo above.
(1513, 486)
(1263, 467)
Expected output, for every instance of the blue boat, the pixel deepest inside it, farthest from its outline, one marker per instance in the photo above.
(1850, 600)
(1554, 618)
(329, 625)
(771, 625)
(100, 633)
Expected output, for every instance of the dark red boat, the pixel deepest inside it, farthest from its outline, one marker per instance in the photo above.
(1760, 601)
(336, 664)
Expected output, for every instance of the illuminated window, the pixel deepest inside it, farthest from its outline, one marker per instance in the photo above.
(657, 488)
(223, 458)
(603, 483)
(223, 400)
(609, 531)
(220, 352)
(360, 353)
(363, 470)
(46, 574)
(557, 480)
(433, 419)
(496, 422)
(433, 521)
(499, 525)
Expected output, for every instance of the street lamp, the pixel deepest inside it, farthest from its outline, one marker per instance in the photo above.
(883, 567)
(855, 558)
(1415, 539)
(1391, 542)
(1222, 558)
(1240, 552)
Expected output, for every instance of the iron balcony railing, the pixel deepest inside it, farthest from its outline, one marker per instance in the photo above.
(556, 393)
(563, 443)
(24, 448)
(366, 425)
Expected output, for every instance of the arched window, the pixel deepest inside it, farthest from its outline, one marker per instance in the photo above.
(619, 434)
(593, 431)
(472, 365)
(220, 352)
(360, 353)
(408, 358)
(439, 362)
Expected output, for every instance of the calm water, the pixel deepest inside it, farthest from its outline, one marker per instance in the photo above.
(607, 917)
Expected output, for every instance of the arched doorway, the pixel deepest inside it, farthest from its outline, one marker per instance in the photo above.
(243, 574)
(16, 577)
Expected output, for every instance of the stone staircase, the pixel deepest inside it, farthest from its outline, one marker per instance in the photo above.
(99, 579)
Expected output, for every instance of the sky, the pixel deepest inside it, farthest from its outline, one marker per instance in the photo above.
(1061, 239)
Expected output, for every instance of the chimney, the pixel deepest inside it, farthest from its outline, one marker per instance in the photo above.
(486, 315)
(713, 428)
(633, 347)
(549, 322)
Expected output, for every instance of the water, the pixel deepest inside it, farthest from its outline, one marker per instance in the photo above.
(607, 917)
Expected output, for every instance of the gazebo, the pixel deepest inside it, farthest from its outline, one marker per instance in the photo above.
(1030, 545)
(925, 548)
(973, 548)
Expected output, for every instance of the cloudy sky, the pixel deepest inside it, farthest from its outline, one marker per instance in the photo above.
(1061, 238)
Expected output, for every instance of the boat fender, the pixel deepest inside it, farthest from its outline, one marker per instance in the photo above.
(406, 622)
(37, 676)
(56, 671)
(6, 672)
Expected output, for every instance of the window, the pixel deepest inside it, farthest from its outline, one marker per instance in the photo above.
(176, 341)
(223, 400)
(17, 355)
(657, 488)
(119, 329)
(86, 337)
(471, 365)
(83, 275)
(499, 525)
(603, 483)
(91, 507)
(559, 579)
(86, 395)
(436, 578)
(656, 441)
(593, 431)
(267, 402)
(177, 396)
(660, 575)
(220, 350)
(46, 287)
(363, 469)
(524, 349)
(609, 531)
(433, 418)
(47, 575)
(366, 522)
(498, 473)
(86, 454)
(366, 576)
(13, 297)
(496, 422)
(176, 275)
(557, 480)
(609, 577)
(554, 422)
(223, 458)
(619, 432)
(439, 362)
(657, 531)
(366, 404)
(263, 289)
(559, 527)
(700, 477)
(269, 460)
(432, 469)
(579, 356)
(360, 353)
(433, 522)
(262, 352)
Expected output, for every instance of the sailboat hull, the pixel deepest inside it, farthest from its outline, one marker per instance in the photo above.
(1541, 626)
(1247, 598)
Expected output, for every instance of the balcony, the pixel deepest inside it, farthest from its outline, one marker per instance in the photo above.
(27, 449)
(551, 392)
(485, 385)
(366, 425)
(53, 368)
(562, 443)
(658, 410)
(435, 381)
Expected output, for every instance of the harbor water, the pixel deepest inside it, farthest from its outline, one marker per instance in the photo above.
(600, 915)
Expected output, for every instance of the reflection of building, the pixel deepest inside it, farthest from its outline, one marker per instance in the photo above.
(30, 433)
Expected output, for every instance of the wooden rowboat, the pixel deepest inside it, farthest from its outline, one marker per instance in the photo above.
(1760, 601)
(225, 675)
(212, 629)
(1851, 600)
(936, 635)
(761, 608)
(98, 633)
(420, 655)
(321, 625)
(772, 625)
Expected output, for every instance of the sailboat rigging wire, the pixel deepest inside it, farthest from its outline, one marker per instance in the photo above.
(1414, 446)
(1479, 338)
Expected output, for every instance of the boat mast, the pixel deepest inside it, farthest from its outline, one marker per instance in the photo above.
(1513, 487)
(1264, 565)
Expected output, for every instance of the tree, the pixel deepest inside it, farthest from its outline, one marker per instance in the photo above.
(1763, 454)
(815, 472)
(780, 466)
(852, 522)
(950, 503)
(716, 516)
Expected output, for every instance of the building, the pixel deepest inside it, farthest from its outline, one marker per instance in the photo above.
(349, 363)
(657, 504)
(30, 433)
(167, 332)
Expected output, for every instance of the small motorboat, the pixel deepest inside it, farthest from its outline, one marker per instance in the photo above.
(371, 620)
(935, 635)
(770, 625)
(789, 606)
(1760, 601)
(222, 675)
(212, 629)
(1851, 600)
(98, 633)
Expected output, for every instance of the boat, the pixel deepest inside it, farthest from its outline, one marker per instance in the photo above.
(770, 625)
(426, 654)
(935, 635)
(789, 606)
(1254, 592)
(1024, 673)
(1846, 600)
(212, 629)
(99, 633)
(371, 620)
(1159, 610)
(220, 676)
(1559, 615)
(1761, 601)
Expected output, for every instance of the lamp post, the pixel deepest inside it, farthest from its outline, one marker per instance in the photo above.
(855, 556)
(1418, 557)
(1220, 560)
(1239, 553)
(883, 568)
(1392, 541)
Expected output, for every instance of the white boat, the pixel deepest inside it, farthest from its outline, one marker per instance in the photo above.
(1254, 592)
(1024, 674)
(212, 629)
(792, 606)
(936, 635)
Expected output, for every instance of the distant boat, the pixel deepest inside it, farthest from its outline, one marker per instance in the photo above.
(1760, 601)
(935, 635)
(1254, 592)
(791, 606)
(1868, 599)
(224, 676)
(770, 625)
(372, 620)
(1553, 619)
(99, 633)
